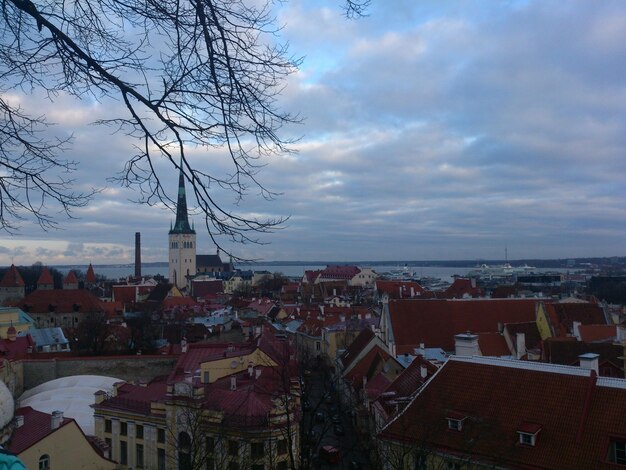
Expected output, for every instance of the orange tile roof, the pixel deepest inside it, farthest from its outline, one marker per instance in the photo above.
(45, 277)
(90, 277)
(578, 413)
(12, 278)
(591, 333)
(70, 278)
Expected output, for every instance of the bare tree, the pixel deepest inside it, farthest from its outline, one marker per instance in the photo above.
(190, 74)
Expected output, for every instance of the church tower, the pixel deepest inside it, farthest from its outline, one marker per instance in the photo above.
(182, 238)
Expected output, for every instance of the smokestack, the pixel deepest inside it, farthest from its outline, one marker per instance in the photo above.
(137, 254)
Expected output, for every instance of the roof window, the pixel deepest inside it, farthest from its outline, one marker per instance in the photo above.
(455, 420)
(528, 433)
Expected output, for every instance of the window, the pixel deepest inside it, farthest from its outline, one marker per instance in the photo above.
(161, 459)
(617, 452)
(526, 439)
(107, 425)
(139, 431)
(281, 447)
(139, 455)
(257, 450)
(210, 445)
(455, 424)
(318, 346)
(123, 429)
(44, 462)
(233, 448)
(161, 435)
(123, 452)
(184, 451)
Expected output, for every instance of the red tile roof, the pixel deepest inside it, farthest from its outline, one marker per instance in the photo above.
(70, 278)
(64, 301)
(563, 315)
(137, 398)
(376, 386)
(16, 349)
(90, 277)
(355, 348)
(578, 413)
(410, 379)
(591, 333)
(368, 366)
(37, 425)
(493, 344)
(12, 278)
(461, 288)
(339, 272)
(530, 330)
(399, 289)
(435, 322)
(45, 278)
(311, 276)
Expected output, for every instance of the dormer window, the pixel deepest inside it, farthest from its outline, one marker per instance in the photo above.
(528, 434)
(455, 421)
(617, 451)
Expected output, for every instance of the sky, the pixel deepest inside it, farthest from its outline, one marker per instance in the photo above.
(432, 130)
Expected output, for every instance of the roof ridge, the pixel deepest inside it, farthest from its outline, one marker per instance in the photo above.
(610, 382)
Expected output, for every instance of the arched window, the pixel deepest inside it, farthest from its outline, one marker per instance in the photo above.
(184, 451)
(44, 462)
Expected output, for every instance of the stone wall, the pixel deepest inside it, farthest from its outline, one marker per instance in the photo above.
(129, 368)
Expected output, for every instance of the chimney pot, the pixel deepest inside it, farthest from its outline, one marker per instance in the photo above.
(233, 382)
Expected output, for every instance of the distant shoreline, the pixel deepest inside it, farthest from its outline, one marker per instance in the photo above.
(539, 263)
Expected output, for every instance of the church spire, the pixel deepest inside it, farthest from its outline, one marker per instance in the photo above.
(182, 222)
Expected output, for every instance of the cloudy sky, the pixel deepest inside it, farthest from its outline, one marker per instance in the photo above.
(433, 130)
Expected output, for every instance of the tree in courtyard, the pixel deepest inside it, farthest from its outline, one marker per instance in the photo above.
(190, 74)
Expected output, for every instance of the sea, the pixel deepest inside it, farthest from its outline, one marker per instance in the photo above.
(122, 271)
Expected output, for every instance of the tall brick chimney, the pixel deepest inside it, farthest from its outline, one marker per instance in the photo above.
(137, 254)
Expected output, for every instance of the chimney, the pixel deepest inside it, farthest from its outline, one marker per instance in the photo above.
(322, 309)
(423, 371)
(520, 345)
(576, 329)
(250, 369)
(466, 344)
(473, 282)
(57, 418)
(342, 317)
(183, 345)
(412, 291)
(258, 372)
(589, 361)
(137, 254)
(100, 396)
(19, 421)
(420, 351)
(233, 382)
(400, 291)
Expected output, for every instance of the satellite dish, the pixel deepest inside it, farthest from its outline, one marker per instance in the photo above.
(234, 364)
